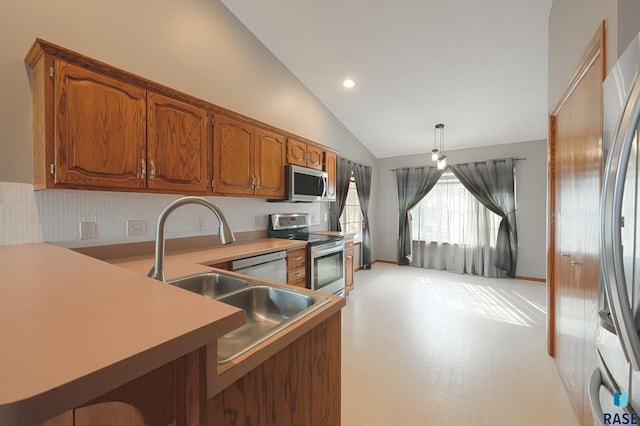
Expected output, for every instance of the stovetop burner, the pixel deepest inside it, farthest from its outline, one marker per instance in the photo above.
(295, 226)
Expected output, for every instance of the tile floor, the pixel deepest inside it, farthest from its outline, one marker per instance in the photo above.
(425, 347)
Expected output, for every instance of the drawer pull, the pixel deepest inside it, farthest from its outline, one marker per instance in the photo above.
(299, 274)
(297, 258)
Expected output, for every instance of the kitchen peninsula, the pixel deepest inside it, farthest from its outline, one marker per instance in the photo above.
(85, 341)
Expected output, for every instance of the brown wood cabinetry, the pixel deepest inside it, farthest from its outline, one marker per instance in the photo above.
(177, 145)
(303, 154)
(349, 255)
(109, 134)
(100, 130)
(299, 385)
(247, 160)
(330, 164)
(297, 267)
(99, 127)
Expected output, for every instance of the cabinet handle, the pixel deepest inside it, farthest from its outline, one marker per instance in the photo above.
(258, 179)
(574, 263)
(144, 169)
(565, 255)
(152, 166)
(295, 259)
(299, 274)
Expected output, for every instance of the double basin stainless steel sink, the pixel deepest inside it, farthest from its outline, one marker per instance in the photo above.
(269, 309)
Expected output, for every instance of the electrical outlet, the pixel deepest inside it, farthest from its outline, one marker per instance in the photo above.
(314, 218)
(136, 227)
(201, 224)
(256, 221)
(88, 230)
(325, 217)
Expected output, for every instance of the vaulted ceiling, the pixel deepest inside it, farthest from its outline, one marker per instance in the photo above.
(479, 67)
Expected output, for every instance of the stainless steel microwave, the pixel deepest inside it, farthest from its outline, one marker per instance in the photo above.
(305, 185)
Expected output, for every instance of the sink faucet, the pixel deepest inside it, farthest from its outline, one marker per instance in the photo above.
(224, 233)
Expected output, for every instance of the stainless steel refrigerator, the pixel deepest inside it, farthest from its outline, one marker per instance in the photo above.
(614, 388)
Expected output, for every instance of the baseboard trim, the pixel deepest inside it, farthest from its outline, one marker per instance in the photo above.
(384, 261)
(538, 280)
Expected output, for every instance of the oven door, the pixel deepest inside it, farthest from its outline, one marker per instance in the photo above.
(327, 267)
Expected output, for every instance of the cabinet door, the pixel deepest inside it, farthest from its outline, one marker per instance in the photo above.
(269, 166)
(296, 153)
(330, 168)
(348, 273)
(100, 135)
(177, 147)
(314, 157)
(233, 157)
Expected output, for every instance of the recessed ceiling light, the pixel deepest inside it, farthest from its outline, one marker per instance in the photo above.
(348, 83)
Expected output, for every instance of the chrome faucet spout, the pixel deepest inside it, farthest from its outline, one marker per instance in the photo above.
(224, 232)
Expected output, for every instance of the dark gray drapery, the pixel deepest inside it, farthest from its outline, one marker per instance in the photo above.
(413, 184)
(362, 175)
(492, 183)
(343, 176)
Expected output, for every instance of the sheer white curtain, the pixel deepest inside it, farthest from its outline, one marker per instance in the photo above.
(452, 230)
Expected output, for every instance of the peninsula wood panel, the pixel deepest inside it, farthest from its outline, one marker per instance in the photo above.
(573, 269)
(177, 145)
(171, 394)
(100, 130)
(300, 385)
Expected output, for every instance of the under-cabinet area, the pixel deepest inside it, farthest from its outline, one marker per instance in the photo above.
(99, 127)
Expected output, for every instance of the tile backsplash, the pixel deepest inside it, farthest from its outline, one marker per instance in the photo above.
(55, 215)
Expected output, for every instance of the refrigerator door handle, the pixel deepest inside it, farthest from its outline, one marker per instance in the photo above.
(613, 191)
(594, 397)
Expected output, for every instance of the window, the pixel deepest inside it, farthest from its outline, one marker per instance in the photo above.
(351, 218)
(451, 214)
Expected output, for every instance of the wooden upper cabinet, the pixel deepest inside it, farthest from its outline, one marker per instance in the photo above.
(302, 154)
(314, 157)
(233, 157)
(100, 130)
(296, 153)
(247, 160)
(330, 164)
(269, 164)
(177, 145)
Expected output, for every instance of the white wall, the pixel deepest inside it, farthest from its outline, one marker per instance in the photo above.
(196, 46)
(531, 182)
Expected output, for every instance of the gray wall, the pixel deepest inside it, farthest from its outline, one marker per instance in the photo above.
(531, 188)
(196, 46)
(572, 23)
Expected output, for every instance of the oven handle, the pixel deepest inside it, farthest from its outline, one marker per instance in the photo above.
(334, 249)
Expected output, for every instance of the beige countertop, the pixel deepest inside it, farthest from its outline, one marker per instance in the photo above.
(73, 328)
(186, 262)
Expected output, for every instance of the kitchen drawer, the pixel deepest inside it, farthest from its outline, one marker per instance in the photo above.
(297, 276)
(296, 257)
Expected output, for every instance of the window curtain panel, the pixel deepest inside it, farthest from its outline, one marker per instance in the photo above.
(343, 176)
(453, 231)
(412, 184)
(492, 183)
(362, 175)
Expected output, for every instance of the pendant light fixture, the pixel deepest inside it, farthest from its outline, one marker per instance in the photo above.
(434, 151)
(438, 155)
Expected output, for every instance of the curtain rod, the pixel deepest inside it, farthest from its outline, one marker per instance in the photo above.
(468, 162)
